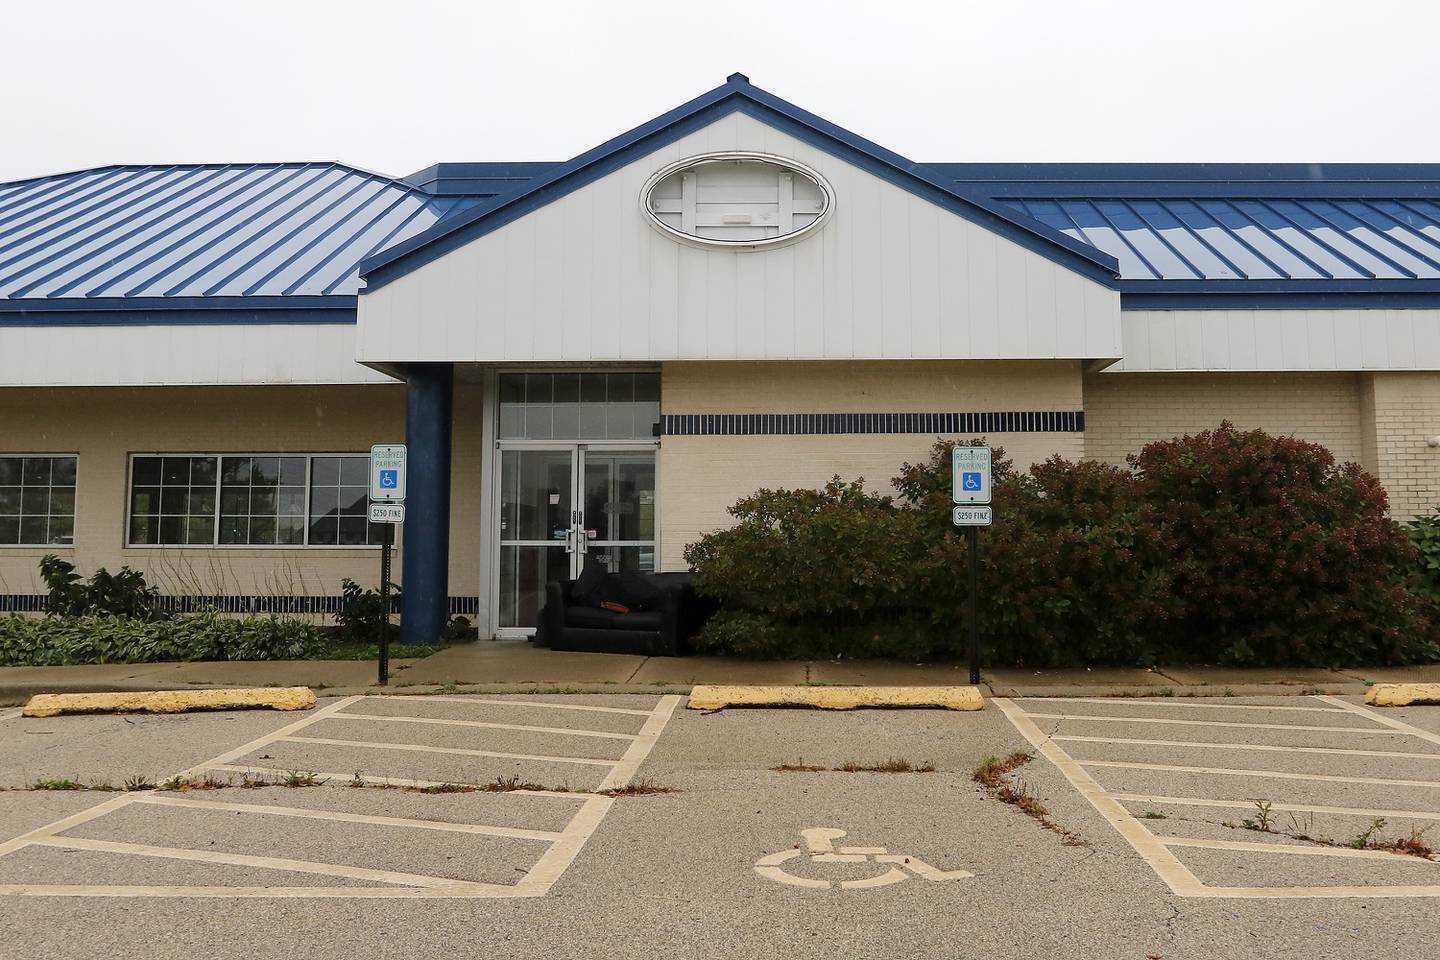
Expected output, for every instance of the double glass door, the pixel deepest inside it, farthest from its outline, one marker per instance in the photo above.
(562, 507)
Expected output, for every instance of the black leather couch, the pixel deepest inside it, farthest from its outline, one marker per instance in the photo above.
(664, 612)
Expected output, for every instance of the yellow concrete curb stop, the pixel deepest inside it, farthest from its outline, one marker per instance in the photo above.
(171, 701)
(1402, 694)
(835, 698)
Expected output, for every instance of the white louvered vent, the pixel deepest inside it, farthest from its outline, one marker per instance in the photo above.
(737, 199)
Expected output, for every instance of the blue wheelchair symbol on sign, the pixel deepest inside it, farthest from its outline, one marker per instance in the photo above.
(970, 480)
(390, 479)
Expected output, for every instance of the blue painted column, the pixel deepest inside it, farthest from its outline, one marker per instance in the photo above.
(426, 560)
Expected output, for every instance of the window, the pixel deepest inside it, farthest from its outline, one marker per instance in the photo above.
(579, 406)
(37, 500)
(286, 500)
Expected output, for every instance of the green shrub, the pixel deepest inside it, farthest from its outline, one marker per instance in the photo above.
(362, 612)
(1227, 546)
(57, 641)
(1280, 555)
(123, 594)
(1424, 534)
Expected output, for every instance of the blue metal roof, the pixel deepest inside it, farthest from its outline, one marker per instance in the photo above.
(1226, 222)
(262, 230)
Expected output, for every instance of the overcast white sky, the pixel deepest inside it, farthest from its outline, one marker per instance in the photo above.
(397, 86)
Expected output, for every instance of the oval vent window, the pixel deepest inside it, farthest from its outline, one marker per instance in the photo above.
(737, 199)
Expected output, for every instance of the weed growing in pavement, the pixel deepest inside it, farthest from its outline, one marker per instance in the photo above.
(993, 774)
(892, 765)
(139, 782)
(1262, 821)
(644, 787)
(57, 784)
(358, 780)
(1227, 692)
(1165, 692)
(1155, 815)
(300, 778)
(181, 784)
(1363, 839)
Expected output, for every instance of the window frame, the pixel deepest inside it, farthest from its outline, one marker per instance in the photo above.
(48, 546)
(215, 543)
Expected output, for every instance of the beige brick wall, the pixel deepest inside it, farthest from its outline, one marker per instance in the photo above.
(1124, 411)
(1406, 410)
(104, 425)
(702, 475)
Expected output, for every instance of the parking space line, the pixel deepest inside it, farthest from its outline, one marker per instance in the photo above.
(1396, 725)
(514, 833)
(1290, 849)
(560, 853)
(602, 734)
(1179, 877)
(640, 749)
(259, 742)
(1254, 746)
(556, 860)
(1276, 806)
(422, 748)
(475, 891)
(246, 860)
(1165, 864)
(11, 714)
(1215, 723)
(544, 703)
(1273, 774)
(1167, 702)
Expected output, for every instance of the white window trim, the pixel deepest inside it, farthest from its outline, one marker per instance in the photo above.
(215, 543)
(47, 546)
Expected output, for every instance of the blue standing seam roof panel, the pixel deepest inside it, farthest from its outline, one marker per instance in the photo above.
(205, 230)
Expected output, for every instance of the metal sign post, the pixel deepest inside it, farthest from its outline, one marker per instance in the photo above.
(387, 508)
(970, 469)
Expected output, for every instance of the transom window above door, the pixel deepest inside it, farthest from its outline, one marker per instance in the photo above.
(579, 406)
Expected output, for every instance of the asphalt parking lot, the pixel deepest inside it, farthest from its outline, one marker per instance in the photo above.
(376, 850)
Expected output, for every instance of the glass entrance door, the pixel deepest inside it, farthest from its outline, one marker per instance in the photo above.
(547, 533)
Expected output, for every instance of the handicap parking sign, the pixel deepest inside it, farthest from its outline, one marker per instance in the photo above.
(970, 475)
(387, 472)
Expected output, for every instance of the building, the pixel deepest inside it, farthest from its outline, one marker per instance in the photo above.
(597, 357)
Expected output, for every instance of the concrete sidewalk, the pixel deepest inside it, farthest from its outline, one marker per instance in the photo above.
(518, 665)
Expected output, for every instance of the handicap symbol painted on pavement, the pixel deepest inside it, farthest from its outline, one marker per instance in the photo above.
(820, 843)
(389, 479)
(970, 480)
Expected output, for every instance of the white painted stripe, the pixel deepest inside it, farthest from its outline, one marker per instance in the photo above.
(1254, 746)
(339, 817)
(1391, 722)
(534, 703)
(1281, 807)
(1173, 702)
(473, 891)
(556, 860)
(1275, 774)
(74, 820)
(1316, 893)
(630, 763)
(245, 860)
(421, 748)
(11, 714)
(259, 742)
(392, 781)
(1212, 723)
(602, 734)
(1290, 849)
(1165, 864)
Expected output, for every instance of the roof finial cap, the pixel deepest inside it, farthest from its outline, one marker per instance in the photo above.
(737, 78)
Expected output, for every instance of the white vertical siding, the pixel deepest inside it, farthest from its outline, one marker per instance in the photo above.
(890, 275)
(175, 355)
(1279, 340)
